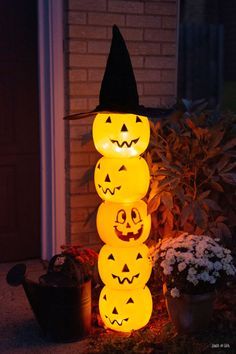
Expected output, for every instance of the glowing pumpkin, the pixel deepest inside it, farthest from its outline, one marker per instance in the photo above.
(120, 135)
(125, 311)
(127, 224)
(121, 180)
(122, 268)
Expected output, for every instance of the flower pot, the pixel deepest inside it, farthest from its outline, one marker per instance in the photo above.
(189, 313)
(63, 312)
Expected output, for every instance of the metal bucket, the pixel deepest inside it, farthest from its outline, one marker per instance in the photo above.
(63, 313)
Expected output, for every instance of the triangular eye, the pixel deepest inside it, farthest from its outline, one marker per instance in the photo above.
(108, 120)
(123, 168)
(139, 256)
(130, 301)
(98, 166)
(138, 120)
(105, 297)
(111, 257)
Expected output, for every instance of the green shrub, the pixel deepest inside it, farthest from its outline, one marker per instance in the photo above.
(192, 159)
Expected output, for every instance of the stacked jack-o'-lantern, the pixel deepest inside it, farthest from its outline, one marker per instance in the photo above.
(121, 134)
(122, 180)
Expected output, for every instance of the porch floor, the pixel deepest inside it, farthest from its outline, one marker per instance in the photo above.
(19, 330)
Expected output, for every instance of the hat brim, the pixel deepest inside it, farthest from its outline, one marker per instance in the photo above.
(149, 112)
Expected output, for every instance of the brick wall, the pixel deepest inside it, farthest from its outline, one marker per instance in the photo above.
(149, 29)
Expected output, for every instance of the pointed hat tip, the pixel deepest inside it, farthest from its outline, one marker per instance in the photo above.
(115, 30)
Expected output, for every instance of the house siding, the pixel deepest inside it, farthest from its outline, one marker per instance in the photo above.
(149, 29)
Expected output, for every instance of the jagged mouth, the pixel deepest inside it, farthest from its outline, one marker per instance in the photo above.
(130, 235)
(119, 322)
(121, 145)
(111, 191)
(130, 281)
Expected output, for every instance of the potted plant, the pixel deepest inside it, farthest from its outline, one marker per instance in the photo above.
(192, 161)
(61, 299)
(191, 268)
(85, 258)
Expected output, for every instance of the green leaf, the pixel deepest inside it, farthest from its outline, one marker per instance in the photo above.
(167, 199)
(222, 162)
(170, 219)
(200, 216)
(217, 186)
(217, 136)
(204, 194)
(148, 158)
(166, 181)
(216, 232)
(220, 218)
(154, 190)
(224, 229)
(212, 153)
(188, 227)
(153, 204)
(229, 177)
(152, 127)
(211, 204)
(179, 192)
(185, 213)
(229, 167)
(230, 144)
(165, 173)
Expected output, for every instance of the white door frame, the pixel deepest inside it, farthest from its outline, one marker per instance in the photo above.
(52, 126)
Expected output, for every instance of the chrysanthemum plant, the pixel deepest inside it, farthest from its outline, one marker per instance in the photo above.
(192, 264)
(86, 258)
(192, 159)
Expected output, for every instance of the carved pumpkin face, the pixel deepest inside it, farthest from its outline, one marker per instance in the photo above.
(125, 311)
(121, 180)
(122, 268)
(127, 224)
(120, 135)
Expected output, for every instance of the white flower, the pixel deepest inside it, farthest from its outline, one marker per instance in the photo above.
(228, 258)
(217, 265)
(167, 270)
(188, 257)
(192, 279)
(203, 258)
(175, 292)
(204, 276)
(212, 280)
(180, 256)
(170, 252)
(170, 256)
(181, 266)
(192, 271)
(216, 274)
(230, 270)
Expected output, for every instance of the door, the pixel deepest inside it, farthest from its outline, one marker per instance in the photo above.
(19, 132)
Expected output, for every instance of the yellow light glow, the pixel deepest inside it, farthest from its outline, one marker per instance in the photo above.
(126, 224)
(120, 135)
(123, 310)
(121, 179)
(122, 268)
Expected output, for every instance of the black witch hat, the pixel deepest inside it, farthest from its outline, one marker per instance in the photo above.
(118, 93)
